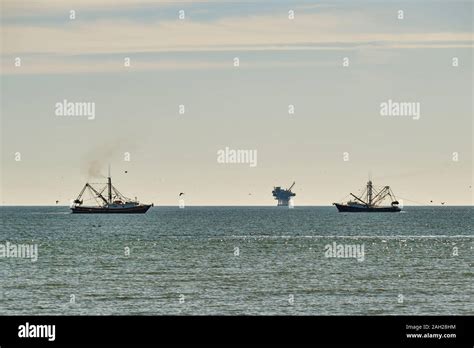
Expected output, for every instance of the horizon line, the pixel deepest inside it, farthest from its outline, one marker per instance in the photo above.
(224, 205)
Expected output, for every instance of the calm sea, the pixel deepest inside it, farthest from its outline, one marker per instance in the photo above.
(239, 260)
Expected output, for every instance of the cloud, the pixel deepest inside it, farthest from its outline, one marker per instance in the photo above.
(76, 65)
(39, 7)
(109, 37)
(62, 44)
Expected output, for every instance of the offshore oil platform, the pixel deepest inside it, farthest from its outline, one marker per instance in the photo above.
(283, 196)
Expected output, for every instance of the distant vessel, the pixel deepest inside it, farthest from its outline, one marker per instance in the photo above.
(370, 201)
(114, 203)
(283, 196)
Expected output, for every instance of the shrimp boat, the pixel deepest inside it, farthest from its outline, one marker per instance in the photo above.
(370, 201)
(113, 202)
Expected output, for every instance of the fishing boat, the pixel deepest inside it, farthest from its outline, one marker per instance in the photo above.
(371, 201)
(113, 202)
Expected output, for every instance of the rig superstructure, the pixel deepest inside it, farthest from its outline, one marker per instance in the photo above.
(283, 196)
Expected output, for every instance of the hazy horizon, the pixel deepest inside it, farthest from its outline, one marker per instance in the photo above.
(336, 138)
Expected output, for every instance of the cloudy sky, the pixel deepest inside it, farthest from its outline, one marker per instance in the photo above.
(331, 143)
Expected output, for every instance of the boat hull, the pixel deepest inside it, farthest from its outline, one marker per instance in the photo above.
(140, 209)
(351, 209)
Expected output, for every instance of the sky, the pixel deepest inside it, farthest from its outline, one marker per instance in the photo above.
(335, 139)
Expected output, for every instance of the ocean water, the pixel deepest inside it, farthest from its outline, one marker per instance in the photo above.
(239, 261)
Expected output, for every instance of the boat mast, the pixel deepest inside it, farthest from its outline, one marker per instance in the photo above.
(369, 192)
(109, 184)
